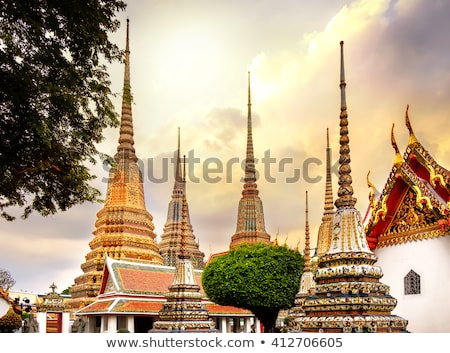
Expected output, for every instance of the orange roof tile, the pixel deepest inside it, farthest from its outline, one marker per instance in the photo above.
(148, 280)
(138, 306)
(97, 306)
(225, 309)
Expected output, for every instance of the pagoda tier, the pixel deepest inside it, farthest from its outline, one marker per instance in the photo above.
(184, 311)
(250, 220)
(124, 228)
(348, 295)
(170, 243)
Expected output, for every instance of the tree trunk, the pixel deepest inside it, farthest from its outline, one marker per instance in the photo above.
(268, 317)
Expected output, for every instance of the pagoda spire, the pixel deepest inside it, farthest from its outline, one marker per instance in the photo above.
(184, 311)
(348, 295)
(250, 171)
(178, 175)
(124, 228)
(307, 247)
(250, 221)
(125, 150)
(328, 204)
(307, 279)
(324, 234)
(170, 244)
(345, 191)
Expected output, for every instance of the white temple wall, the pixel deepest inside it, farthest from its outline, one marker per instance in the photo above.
(429, 310)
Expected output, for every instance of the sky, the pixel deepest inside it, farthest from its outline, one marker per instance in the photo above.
(189, 63)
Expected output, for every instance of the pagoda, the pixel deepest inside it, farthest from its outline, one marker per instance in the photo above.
(250, 227)
(124, 227)
(307, 279)
(170, 243)
(348, 296)
(184, 311)
(324, 233)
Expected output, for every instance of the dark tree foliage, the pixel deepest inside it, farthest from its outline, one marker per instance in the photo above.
(261, 278)
(54, 100)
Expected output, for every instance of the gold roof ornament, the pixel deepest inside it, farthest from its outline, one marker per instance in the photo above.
(53, 302)
(373, 192)
(398, 160)
(412, 138)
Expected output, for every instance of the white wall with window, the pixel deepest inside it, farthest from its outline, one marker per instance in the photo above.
(429, 309)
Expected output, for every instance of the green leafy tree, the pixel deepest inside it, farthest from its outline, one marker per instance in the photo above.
(67, 290)
(55, 100)
(259, 277)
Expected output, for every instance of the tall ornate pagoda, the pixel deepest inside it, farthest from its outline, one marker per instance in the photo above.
(250, 227)
(325, 228)
(184, 311)
(415, 202)
(124, 227)
(307, 279)
(170, 243)
(348, 296)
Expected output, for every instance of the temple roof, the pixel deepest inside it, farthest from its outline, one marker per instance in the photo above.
(152, 307)
(138, 278)
(417, 187)
(130, 287)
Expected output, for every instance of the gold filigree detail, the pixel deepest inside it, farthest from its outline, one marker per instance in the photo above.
(410, 216)
(432, 231)
(382, 211)
(435, 176)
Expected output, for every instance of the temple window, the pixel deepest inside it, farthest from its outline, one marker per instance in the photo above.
(412, 283)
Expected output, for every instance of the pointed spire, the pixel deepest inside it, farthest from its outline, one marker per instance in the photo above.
(184, 253)
(325, 229)
(345, 191)
(179, 183)
(125, 150)
(328, 205)
(307, 266)
(250, 172)
(412, 138)
(178, 176)
(398, 157)
(250, 226)
(170, 244)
